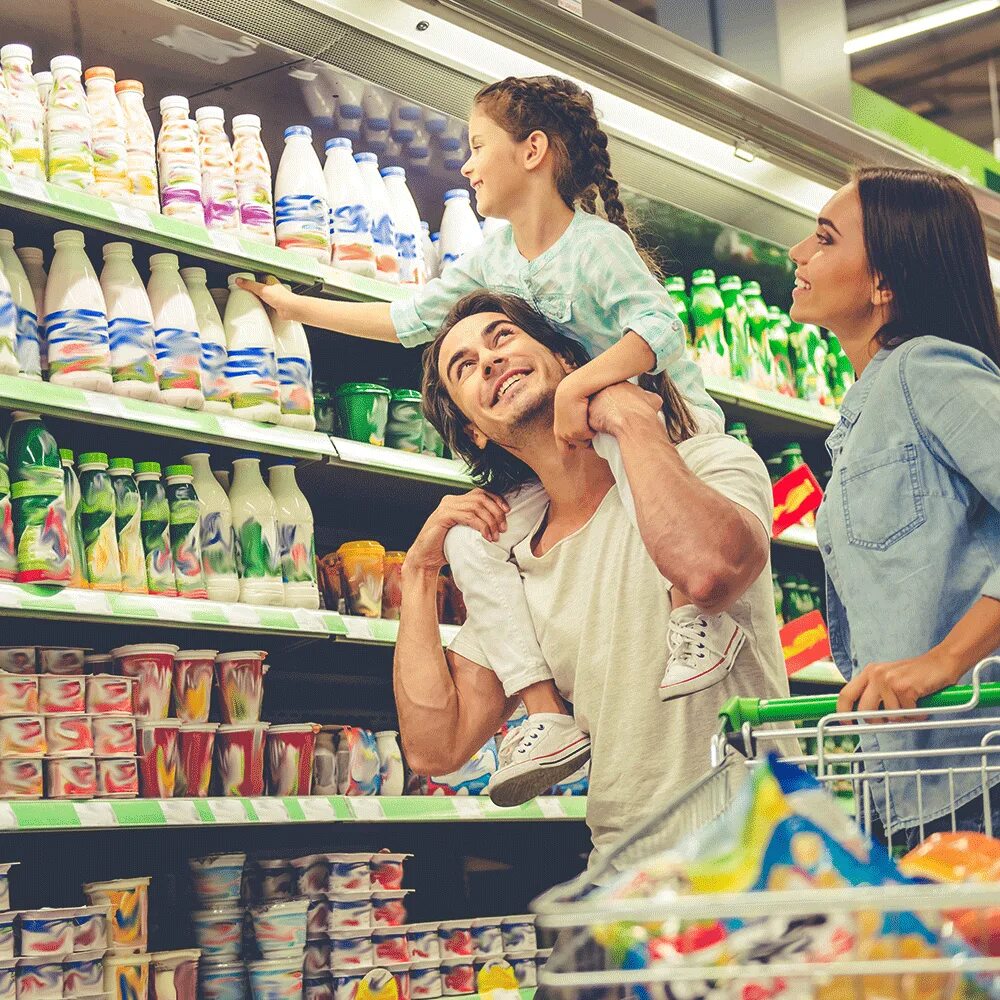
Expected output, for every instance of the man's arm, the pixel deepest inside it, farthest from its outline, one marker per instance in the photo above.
(706, 544)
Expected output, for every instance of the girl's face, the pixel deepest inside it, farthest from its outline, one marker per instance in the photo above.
(496, 167)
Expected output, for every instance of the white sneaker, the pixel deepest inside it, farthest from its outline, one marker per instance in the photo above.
(702, 648)
(538, 754)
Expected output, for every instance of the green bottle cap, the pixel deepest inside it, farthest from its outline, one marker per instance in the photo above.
(406, 395)
(703, 276)
(751, 287)
(736, 426)
(675, 284)
(65, 454)
(94, 458)
(24, 489)
(153, 467)
(361, 389)
(178, 470)
(793, 447)
(731, 281)
(774, 311)
(121, 463)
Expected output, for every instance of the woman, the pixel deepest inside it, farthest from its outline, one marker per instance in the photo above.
(909, 527)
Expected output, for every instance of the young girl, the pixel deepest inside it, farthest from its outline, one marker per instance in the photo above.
(538, 159)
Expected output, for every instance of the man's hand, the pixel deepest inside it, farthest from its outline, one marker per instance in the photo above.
(620, 405)
(571, 425)
(273, 294)
(478, 509)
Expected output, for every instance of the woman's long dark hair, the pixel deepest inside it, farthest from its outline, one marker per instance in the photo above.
(924, 237)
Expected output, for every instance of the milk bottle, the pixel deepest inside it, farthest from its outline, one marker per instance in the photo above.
(251, 366)
(155, 525)
(255, 518)
(294, 374)
(218, 541)
(28, 350)
(140, 145)
(25, 114)
(97, 519)
(349, 110)
(44, 81)
(403, 121)
(185, 532)
(74, 530)
(6, 150)
(430, 252)
(376, 118)
(301, 213)
(130, 326)
(460, 230)
(383, 233)
(8, 328)
(350, 218)
(295, 538)
(213, 341)
(177, 162)
(253, 179)
(128, 527)
(175, 329)
(406, 224)
(110, 142)
(218, 171)
(76, 323)
(33, 262)
(68, 127)
(418, 152)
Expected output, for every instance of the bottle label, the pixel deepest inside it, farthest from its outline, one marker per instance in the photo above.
(8, 332)
(132, 350)
(110, 163)
(155, 525)
(258, 555)
(29, 357)
(408, 257)
(385, 245)
(101, 546)
(43, 552)
(298, 555)
(129, 530)
(351, 220)
(218, 545)
(302, 222)
(69, 136)
(8, 550)
(178, 358)
(77, 342)
(25, 120)
(251, 373)
(295, 378)
(213, 372)
(185, 547)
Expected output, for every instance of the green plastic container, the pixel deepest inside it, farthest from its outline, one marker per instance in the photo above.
(185, 532)
(154, 520)
(8, 551)
(405, 427)
(97, 518)
(363, 411)
(71, 486)
(708, 323)
(33, 453)
(433, 442)
(128, 526)
(43, 545)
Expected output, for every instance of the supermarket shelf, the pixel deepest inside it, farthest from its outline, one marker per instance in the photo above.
(380, 631)
(391, 461)
(50, 814)
(798, 536)
(821, 672)
(781, 414)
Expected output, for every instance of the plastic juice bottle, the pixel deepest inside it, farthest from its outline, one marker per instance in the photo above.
(251, 369)
(816, 347)
(255, 519)
(74, 530)
(350, 218)
(97, 518)
(707, 322)
(762, 372)
(44, 80)
(737, 326)
(128, 526)
(33, 261)
(6, 147)
(76, 323)
(294, 375)
(406, 225)
(460, 230)
(678, 295)
(175, 329)
(185, 532)
(253, 179)
(8, 548)
(218, 170)
(130, 325)
(25, 114)
(383, 231)
(296, 539)
(218, 541)
(140, 146)
(177, 162)
(68, 129)
(8, 328)
(791, 459)
(29, 358)
(301, 213)
(777, 338)
(109, 133)
(213, 341)
(154, 522)
(839, 367)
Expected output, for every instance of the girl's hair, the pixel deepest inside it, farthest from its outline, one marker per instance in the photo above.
(565, 113)
(924, 236)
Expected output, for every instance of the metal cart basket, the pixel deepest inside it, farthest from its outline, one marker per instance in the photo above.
(805, 943)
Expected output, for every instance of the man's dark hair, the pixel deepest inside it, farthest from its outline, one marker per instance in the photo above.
(494, 468)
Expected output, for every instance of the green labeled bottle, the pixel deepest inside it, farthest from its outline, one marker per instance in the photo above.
(762, 366)
(708, 324)
(736, 325)
(154, 520)
(805, 594)
(185, 532)
(32, 453)
(816, 346)
(258, 549)
(73, 527)
(97, 518)
(779, 599)
(739, 431)
(777, 339)
(128, 526)
(840, 371)
(8, 549)
(682, 305)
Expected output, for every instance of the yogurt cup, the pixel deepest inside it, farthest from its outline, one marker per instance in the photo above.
(83, 974)
(316, 957)
(277, 881)
(423, 941)
(280, 927)
(455, 937)
(46, 932)
(240, 679)
(239, 758)
(363, 570)
(290, 759)
(311, 873)
(7, 921)
(386, 870)
(525, 969)
(90, 929)
(8, 979)
(400, 971)
(38, 978)
(350, 909)
(277, 978)
(21, 778)
(192, 683)
(114, 735)
(518, 933)
(69, 736)
(389, 907)
(458, 977)
(19, 694)
(60, 659)
(18, 660)
(350, 871)
(318, 987)
(351, 948)
(425, 979)
(346, 981)
(218, 932)
(127, 903)
(71, 777)
(23, 736)
(390, 945)
(157, 757)
(117, 777)
(151, 665)
(318, 916)
(59, 694)
(195, 750)
(218, 878)
(106, 694)
(98, 663)
(174, 974)
(126, 977)
(486, 939)
(222, 980)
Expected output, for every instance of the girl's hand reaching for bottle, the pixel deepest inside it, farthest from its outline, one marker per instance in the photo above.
(571, 424)
(273, 294)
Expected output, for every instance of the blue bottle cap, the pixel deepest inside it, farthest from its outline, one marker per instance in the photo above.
(298, 130)
(393, 172)
(340, 142)
(457, 193)
(365, 158)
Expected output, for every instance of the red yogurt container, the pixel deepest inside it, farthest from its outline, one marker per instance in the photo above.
(108, 695)
(117, 778)
(192, 683)
(151, 664)
(290, 758)
(195, 746)
(239, 758)
(240, 677)
(157, 758)
(60, 694)
(114, 735)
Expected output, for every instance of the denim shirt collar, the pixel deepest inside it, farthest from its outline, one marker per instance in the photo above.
(854, 400)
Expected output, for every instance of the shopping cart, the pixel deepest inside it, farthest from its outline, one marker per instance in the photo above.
(809, 943)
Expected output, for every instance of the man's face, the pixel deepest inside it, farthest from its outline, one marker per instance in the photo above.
(501, 378)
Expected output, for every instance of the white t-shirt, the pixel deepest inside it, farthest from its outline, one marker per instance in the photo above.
(600, 609)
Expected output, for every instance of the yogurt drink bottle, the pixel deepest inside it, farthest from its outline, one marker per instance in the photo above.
(29, 358)
(44, 80)
(109, 132)
(218, 171)
(737, 326)
(140, 145)
(213, 341)
(155, 525)
(177, 162)
(349, 110)
(406, 225)
(383, 232)
(8, 328)
(97, 519)
(295, 538)
(460, 230)
(350, 218)
(175, 328)
(294, 374)
(74, 529)
(25, 114)
(68, 129)
(251, 368)
(376, 118)
(403, 121)
(130, 325)
(255, 519)
(185, 532)
(6, 148)
(218, 541)
(707, 323)
(430, 252)
(76, 323)
(253, 179)
(301, 212)
(33, 261)
(418, 152)
(128, 526)
(8, 548)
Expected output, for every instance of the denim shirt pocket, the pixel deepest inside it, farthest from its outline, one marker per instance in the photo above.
(882, 497)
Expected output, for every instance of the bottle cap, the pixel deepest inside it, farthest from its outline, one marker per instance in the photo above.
(197, 275)
(132, 86)
(731, 281)
(298, 130)
(211, 112)
(164, 260)
(703, 276)
(393, 172)
(457, 193)
(246, 121)
(124, 464)
(68, 238)
(340, 142)
(240, 274)
(178, 470)
(33, 254)
(99, 73)
(435, 237)
(66, 62)
(753, 287)
(16, 51)
(366, 158)
(94, 458)
(117, 250)
(6, 237)
(148, 468)
(425, 226)
(66, 455)
(43, 78)
(675, 283)
(174, 103)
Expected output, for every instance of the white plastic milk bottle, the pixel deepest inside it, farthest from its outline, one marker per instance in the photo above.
(8, 329)
(140, 143)
(255, 520)
(214, 386)
(68, 128)
(296, 542)
(253, 179)
(406, 223)
(294, 374)
(301, 213)
(177, 162)
(175, 327)
(218, 541)
(251, 368)
(460, 230)
(430, 252)
(28, 349)
(6, 152)
(33, 261)
(110, 142)
(383, 232)
(218, 171)
(25, 113)
(44, 80)
(130, 325)
(350, 218)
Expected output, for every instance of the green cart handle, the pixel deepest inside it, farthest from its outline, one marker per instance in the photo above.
(812, 708)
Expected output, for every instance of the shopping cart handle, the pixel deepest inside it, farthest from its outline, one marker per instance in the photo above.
(811, 708)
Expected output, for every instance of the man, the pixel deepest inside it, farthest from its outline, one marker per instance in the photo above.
(596, 585)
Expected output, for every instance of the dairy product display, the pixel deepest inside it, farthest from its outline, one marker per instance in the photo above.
(110, 136)
(212, 334)
(175, 329)
(219, 194)
(28, 347)
(177, 162)
(69, 131)
(24, 113)
(301, 211)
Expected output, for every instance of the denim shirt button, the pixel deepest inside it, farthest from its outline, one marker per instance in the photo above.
(827, 549)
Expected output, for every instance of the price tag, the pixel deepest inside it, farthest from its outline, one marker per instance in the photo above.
(129, 215)
(179, 812)
(310, 621)
(318, 808)
(468, 808)
(88, 602)
(550, 806)
(240, 614)
(270, 810)
(358, 628)
(227, 810)
(29, 187)
(226, 242)
(8, 821)
(366, 807)
(96, 814)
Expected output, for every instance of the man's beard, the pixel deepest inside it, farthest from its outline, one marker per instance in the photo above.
(538, 415)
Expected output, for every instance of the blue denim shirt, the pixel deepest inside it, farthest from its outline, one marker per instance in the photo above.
(909, 530)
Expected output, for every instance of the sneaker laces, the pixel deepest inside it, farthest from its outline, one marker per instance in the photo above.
(510, 743)
(687, 638)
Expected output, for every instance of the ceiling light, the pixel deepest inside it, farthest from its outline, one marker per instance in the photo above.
(937, 17)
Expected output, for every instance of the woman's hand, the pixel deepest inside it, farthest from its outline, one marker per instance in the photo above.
(571, 424)
(273, 294)
(898, 685)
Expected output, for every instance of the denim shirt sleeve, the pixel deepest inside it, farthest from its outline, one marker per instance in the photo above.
(953, 393)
